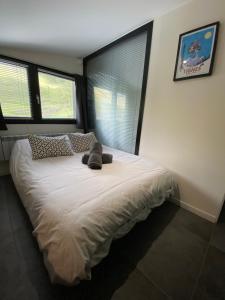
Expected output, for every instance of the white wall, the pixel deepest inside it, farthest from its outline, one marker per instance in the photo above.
(60, 62)
(18, 129)
(184, 122)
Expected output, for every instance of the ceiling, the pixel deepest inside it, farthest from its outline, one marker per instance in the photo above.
(74, 27)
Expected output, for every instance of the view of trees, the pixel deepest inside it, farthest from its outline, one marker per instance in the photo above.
(57, 94)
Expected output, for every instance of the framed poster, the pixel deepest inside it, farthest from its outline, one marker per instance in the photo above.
(196, 51)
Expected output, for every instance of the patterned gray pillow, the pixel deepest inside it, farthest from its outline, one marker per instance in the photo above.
(43, 146)
(81, 142)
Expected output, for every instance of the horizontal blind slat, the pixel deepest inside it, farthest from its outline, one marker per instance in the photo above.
(14, 90)
(114, 80)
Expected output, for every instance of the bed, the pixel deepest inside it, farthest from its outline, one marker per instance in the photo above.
(77, 212)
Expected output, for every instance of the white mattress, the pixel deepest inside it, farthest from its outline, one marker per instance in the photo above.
(76, 212)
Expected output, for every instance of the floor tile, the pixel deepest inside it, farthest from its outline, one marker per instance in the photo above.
(173, 261)
(109, 276)
(160, 256)
(222, 213)
(137, 287)
(212, 280)
(13, 281)
(218, 237)
(139, 240)
(193, 223)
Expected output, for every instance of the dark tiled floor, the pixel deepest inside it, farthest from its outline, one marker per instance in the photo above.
(212, 280)
(172, 255)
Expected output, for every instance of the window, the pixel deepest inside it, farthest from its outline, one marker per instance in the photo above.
(116, 83)
(102, 96)
(57, 96)
(34, 94)
(14, 90)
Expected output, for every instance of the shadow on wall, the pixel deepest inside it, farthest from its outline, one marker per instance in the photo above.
(196, 196)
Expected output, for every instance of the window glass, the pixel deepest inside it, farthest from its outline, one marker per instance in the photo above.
(58, 97)
(114, 88)
(14, 90)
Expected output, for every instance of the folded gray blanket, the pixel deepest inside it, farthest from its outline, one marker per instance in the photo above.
(106, 158)
(95, 156)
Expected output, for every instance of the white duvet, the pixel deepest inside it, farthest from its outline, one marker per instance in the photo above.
(76, 212)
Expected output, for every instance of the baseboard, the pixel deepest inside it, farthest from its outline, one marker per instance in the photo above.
(195, 210)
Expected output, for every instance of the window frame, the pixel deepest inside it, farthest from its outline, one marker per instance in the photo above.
(34, 91)
(148, 28)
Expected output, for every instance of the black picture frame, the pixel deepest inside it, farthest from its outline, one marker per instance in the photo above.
(202, 40)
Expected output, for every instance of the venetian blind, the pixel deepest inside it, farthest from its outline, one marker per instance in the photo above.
(114, 85)
(14, 90)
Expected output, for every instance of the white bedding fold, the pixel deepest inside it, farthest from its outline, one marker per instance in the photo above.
(76, 212)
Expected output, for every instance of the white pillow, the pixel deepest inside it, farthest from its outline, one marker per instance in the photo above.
(81, 142)
(43, 146)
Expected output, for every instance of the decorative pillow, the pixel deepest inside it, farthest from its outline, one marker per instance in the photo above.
(43, 146)
(81, 142)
